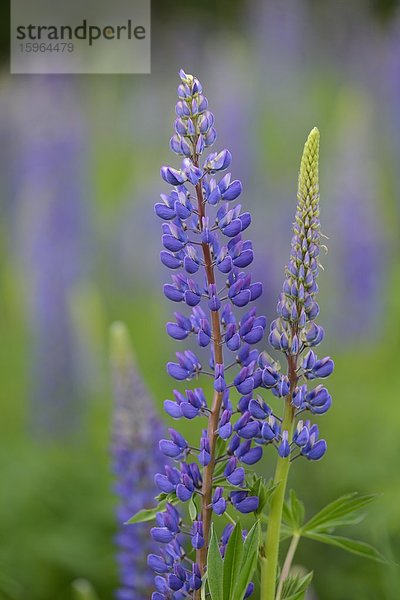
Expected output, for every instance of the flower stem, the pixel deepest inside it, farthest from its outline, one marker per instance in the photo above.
(287, 564)
(208, 473)
(270, 563)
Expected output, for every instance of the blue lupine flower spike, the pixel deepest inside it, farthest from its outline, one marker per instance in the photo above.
(203, 247)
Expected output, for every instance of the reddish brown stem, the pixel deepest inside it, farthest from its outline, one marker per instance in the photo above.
(206, 510)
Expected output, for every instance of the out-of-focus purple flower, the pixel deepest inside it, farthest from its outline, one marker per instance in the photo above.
(359, 242)
(50, 236)
(136, 460)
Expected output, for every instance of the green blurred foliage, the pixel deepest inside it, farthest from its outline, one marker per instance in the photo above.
(56, 503)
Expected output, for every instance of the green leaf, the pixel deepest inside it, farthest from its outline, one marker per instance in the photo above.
(274, 363)
(293, 511)
(220, 448)
(295, 586)
(147, 514)
(263, 490)
(203, 587)
(83, 590)
(162, 496)
(232, 561)
(286, 532)
(343, 511)
(192, 509)
(249, 561)
(269, 489)
(215, 568)
(353, 546)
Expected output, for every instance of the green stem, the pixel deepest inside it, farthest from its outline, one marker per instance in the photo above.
(270, 564)
(287, 564)
(230, 519)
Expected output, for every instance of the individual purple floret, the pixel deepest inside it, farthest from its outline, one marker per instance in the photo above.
(202, 235)
(136, 458)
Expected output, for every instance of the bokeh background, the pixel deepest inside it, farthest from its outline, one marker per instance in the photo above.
(79, 243)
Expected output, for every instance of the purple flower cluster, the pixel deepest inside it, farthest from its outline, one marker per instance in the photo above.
(136, 458)
(205, 247)
(199, 214)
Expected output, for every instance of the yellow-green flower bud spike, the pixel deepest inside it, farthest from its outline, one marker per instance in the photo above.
(297, 307)
(308, 187)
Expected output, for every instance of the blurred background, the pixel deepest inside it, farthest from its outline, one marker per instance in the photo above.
(79, 245)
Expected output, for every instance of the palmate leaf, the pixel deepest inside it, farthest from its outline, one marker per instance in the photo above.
(228, 578)
(249, 562)
(343, 511)
(286, 532)
(293, 512)
(295, 586)
(348, 544)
